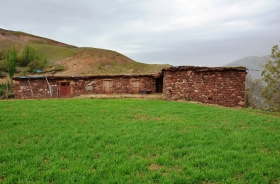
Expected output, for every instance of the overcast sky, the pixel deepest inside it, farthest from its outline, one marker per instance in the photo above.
(177, 32)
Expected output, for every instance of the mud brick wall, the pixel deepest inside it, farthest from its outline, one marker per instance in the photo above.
(38, 88)
(34, 88)
(96, 86)
(226, 88)
(120, 85)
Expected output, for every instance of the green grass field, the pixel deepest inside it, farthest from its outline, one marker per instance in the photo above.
(136, 141)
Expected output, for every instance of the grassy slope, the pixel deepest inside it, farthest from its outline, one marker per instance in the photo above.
(136, 141)
(52, 52)
(98, 61)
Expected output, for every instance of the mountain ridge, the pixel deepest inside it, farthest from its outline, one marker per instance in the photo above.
(254, 64)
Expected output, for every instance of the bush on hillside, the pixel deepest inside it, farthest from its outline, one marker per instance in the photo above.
(2, 74)
(27, 55)
(2, 54)
(58, 67)
(4, 65)
(11, 57)
(2, 89)
(28, 58)
(36, 65)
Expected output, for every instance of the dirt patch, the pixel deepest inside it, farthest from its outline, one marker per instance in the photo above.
(3, 80)
(21, 39)
(154, 167)
(106, 96)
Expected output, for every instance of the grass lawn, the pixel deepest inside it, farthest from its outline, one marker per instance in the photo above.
(136, 141)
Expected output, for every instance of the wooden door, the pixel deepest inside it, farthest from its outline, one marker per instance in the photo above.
(108, 86)
(64, 90)
(135, 87)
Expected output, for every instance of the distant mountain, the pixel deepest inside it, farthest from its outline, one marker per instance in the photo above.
(254, 64)
(74, 60)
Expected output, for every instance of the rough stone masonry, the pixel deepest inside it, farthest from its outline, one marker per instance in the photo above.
(35, 87)
(214, 85)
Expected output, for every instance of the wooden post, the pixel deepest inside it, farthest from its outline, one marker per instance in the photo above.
(30, 88)
(7, 88)
(50, 88)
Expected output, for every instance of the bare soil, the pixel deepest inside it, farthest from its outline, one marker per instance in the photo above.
(105, 96)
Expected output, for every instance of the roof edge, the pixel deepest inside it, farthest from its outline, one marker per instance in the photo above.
(85, 77)
(204, 68)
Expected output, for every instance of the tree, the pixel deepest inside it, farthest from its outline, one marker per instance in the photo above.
(271, 76)
(254, 98)
(32, 60)
(11, 57)
(28, 55)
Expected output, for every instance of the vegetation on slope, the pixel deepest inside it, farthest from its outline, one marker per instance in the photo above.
(75, 61)
(52, 52)
(135, 141)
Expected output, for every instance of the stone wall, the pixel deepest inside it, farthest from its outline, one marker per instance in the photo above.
(34, 88)
(119, 85)
(39, 88)
(222, 86)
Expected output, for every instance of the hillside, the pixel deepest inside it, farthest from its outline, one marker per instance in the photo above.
(254, 64)
(75, 60)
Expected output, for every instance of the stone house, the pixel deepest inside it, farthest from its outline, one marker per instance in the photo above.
(214, 85)
(72, 86)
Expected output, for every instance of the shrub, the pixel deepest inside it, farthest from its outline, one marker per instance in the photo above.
(1, 92)
(59, 67)
(2, 89)
(2, 74)
(2, 54)
(35, 65)
(4, 65)
(28, 55)
(11, 57)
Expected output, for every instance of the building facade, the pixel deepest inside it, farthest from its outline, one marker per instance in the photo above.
(71, 86)
(214, 85)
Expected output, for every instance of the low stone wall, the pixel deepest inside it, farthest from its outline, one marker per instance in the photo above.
(224, 87)
(39, 88)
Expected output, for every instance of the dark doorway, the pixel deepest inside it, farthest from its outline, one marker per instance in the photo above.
(64, 89)
(159, 85)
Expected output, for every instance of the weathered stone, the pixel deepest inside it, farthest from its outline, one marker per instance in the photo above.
(222, 87)
(120, 85)
(241, 103)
